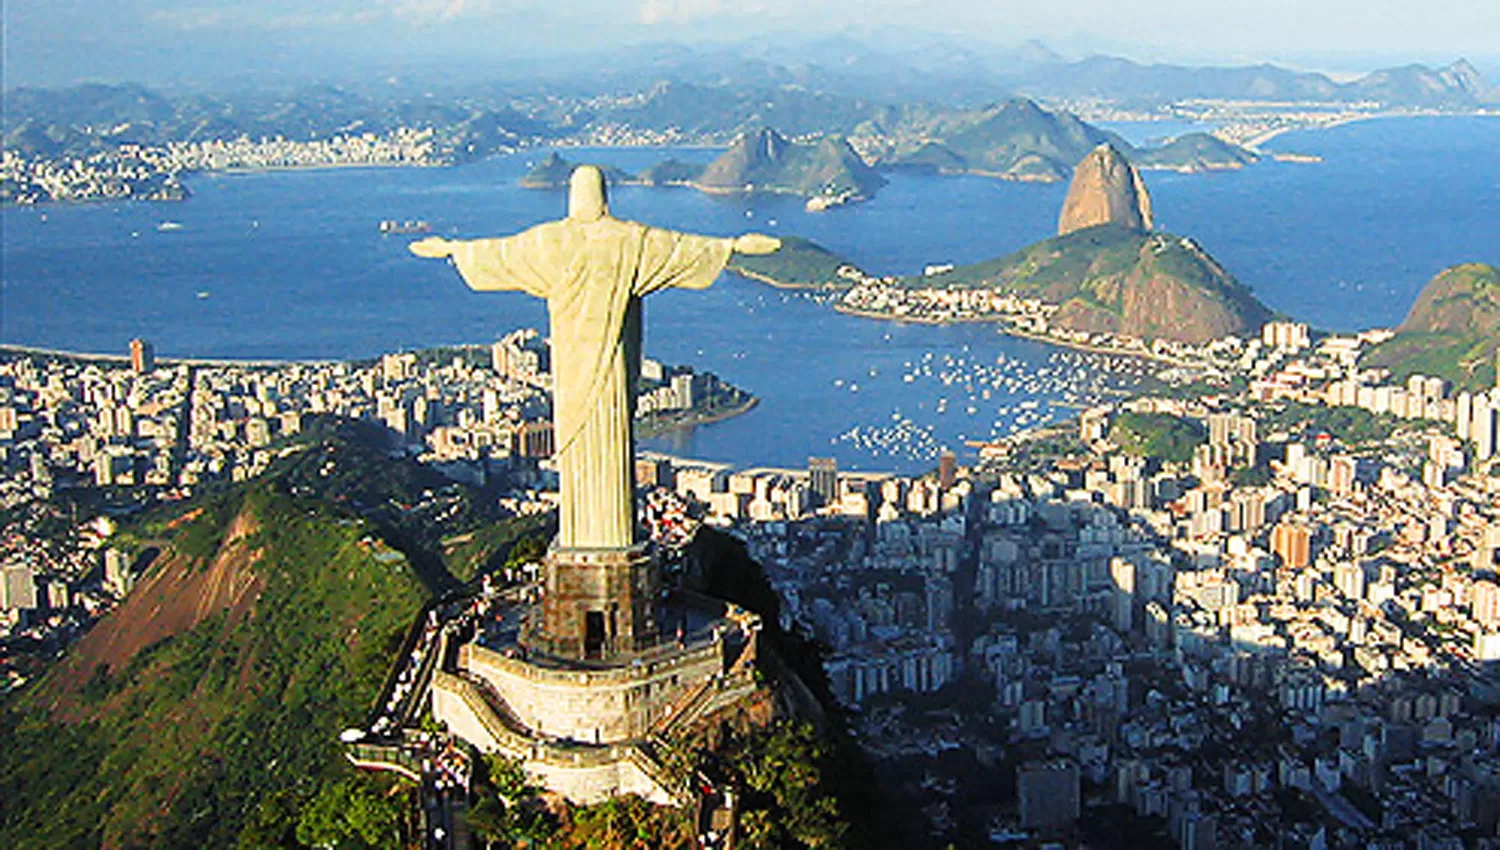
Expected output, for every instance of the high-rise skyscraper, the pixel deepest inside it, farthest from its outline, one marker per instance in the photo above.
(1122, 607)
(1486, 604)
(824, 475)
(1482, 427)
(1293, 544)
(947, 470)
(142, 356)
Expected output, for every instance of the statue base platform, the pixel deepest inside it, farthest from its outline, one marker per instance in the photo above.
(588, 727)
(597, 604)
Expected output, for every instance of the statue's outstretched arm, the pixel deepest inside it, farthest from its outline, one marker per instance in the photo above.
(433, 247)
(756, 243)
(689, 261)
(490, 264)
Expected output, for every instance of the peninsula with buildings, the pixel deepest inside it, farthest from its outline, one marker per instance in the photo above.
(1107, 281)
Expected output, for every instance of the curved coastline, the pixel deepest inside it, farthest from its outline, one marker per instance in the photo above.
(65, 354)
(644, 429)
(781, 284)
(692, 419)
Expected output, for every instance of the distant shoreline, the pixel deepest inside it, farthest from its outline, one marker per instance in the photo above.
(1010, 330)
(915, 320)
(332, 166)
(781, 284)
(1254, 142)
(90, 356)
(688, 419)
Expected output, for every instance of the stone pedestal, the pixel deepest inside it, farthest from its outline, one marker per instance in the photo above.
(597, 604)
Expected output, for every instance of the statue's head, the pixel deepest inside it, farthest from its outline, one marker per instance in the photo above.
(586, 197)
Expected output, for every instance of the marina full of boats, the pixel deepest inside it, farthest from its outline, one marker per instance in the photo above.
(993, 397)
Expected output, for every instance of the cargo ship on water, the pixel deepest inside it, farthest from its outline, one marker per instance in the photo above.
(396, 227)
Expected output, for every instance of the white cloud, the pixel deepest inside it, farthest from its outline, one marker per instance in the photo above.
(437, 11)
(190, 18)
(687, 11)
(312, 15)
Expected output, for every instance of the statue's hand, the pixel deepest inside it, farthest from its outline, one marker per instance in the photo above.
(433, 247)
(756, 243)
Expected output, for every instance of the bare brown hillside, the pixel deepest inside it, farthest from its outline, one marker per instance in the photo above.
(177, 594)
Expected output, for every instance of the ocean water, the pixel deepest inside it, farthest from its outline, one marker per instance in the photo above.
(290, 265)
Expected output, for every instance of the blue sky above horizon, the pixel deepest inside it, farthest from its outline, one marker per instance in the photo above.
(56, 42)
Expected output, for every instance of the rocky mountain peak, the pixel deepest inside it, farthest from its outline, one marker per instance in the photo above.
(1106, 189)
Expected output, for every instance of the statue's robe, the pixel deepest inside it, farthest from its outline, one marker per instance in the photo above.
(593, 275)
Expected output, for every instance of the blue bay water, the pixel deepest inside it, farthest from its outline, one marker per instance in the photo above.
(290, 265)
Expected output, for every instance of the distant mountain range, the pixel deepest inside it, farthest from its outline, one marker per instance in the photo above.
(833, 87)
(1459, 85)
(94, 117)
(971, 73)
(1019, 140)
(953, 72)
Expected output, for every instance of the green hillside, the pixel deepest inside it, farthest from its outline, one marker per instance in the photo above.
(1157, 435)
(553, 171)
(231, 719)
(798, 263)
(204, 710)
(1111, 279)
(1016, 140)
(1452, 331)
(671, 172)
(1194, 152)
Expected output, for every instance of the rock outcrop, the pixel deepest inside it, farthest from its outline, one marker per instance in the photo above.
(1106, 189)
(765, 161)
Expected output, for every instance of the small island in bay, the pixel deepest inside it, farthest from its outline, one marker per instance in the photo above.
(552, 172)
(827, 172)
(1194, 152)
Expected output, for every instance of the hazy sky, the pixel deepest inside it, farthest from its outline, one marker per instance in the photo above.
(59, 41)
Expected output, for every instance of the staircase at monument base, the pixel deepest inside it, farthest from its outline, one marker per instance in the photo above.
(583, 773)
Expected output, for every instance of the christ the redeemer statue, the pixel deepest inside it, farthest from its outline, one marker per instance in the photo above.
(593, 270)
